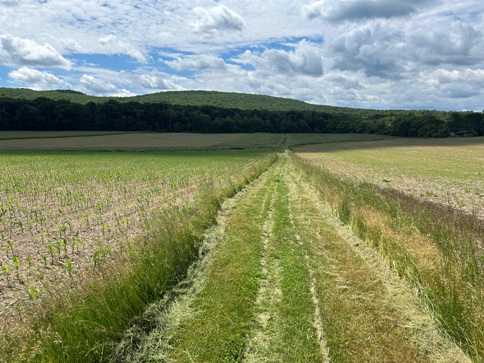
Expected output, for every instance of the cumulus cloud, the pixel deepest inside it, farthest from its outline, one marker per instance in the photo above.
(375, 50)
(198, 63)
(396, 52)
(304, 59)
(18, 51)
(462, 45)
(342, 10)
(217, 19)
(463, 83)
(114, 45)
(97, 86)
(155, 82)
(33, 78)
(374, 53)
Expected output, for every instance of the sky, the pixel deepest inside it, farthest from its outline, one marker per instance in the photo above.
(381, 54)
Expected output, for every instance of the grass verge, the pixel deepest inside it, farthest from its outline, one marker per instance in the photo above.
(84, 325)
(438, 249)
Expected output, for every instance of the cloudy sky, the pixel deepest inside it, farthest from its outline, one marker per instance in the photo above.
(382, 54)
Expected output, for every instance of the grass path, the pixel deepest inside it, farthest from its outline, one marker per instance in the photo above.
(282, 281)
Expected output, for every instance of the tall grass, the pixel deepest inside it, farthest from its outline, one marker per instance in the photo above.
(436, 247)
(84, 324)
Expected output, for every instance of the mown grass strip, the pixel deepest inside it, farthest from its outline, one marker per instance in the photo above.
(217, 327)
(265, 332)
(85, 326)
(299, 342)
(284, 331)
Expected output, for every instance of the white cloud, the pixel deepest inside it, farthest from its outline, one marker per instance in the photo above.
(18, 51)
(198, 62)
(154, 82)
(115, 46)
(97, 86)
(33, 78)
(9, 2)
(304, 59)
(374, 53)
(216, 19)
(463, 44)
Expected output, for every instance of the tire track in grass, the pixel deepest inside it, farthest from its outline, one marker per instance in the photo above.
(298, 338)
(368, 313)
(265, 332)
(317, 321)
(283, 331)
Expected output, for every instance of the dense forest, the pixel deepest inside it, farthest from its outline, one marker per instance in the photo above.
(49, 114)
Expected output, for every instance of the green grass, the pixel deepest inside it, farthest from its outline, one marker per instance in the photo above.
(456, 159)
(298, 342)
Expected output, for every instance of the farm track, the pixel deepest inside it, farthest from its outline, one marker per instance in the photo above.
(281, 280)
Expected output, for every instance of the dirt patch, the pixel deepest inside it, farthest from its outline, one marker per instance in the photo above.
(121, 141)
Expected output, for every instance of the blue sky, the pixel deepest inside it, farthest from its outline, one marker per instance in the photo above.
(383, 54)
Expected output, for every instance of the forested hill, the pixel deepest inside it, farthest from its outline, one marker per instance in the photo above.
(208, 111)
(243, 101)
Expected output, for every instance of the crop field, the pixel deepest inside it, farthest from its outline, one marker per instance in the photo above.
(450, 171)
(328, 253)
(102, 141)
(16, 135)
(109, 141)
(61, 214)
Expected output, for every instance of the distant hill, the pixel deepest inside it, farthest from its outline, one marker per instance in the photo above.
(210, 111)
(241, 101)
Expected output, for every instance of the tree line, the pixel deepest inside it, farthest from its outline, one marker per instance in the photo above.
(45, 114)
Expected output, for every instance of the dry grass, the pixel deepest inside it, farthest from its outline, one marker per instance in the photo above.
(368, 314)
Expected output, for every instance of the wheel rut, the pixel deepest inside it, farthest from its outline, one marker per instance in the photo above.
(265, 332)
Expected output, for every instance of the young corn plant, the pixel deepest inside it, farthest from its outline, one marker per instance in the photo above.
(51, 252)
(6, 273)
(16, 263)
(69, 267)
(32, 293)
(10, 246)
